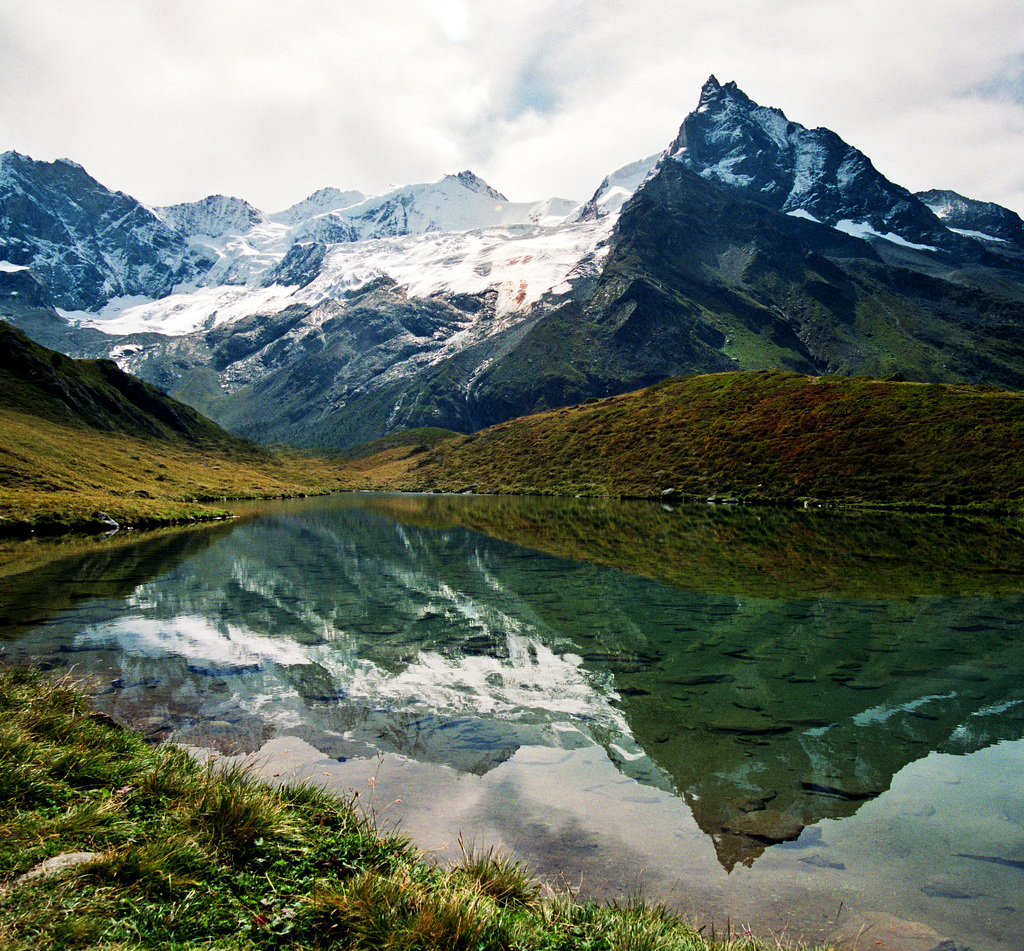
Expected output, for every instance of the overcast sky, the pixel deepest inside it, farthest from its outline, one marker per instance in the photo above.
(173, 100)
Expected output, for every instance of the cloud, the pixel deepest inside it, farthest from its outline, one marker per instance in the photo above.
(1006, 83)
(454, 20)
(271, 101)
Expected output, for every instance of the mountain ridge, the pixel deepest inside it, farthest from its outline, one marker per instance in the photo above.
(750, 242)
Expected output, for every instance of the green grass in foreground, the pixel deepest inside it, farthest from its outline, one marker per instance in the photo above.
(189, 856)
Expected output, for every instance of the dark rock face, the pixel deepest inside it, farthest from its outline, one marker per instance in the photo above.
(301, 264)
(980, 217)
(213, 216)
(757, 152)
(87, 243)
(24, 288)
(475, 183)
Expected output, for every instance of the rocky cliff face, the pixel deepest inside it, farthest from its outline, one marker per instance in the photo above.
(87, 243)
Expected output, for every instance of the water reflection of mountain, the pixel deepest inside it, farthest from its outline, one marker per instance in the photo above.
(41, 577)
(771, 714)
(364, 634)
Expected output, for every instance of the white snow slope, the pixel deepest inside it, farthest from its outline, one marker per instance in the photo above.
(454, 236)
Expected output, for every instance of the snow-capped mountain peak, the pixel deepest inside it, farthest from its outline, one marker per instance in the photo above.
(475, 183)
(89, 244)
(214, 217)
(617, 188)
(731, 140)
(321, 202)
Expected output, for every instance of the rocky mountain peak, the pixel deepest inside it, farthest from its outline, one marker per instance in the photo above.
(476, 184)
(214, 216)
(715, 92)
(756, 150)
(983, 219)
(87, 243)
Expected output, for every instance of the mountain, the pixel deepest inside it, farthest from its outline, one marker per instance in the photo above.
(214, 217)
(762, 156)
(87, 243)
(751, 242)
(96, 395)
(977, 219)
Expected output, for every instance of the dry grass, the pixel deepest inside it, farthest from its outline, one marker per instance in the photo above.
(55, 476)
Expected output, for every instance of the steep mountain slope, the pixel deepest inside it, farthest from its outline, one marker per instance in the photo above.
(752, 242)
(98, 395)
(85, 447)
(87, 243)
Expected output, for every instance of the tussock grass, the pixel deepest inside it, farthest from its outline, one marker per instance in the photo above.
(188, 856)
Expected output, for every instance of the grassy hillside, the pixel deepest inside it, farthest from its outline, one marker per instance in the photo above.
(755, 436)
(79, 438)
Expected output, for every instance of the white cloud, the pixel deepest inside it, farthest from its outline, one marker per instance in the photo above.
(270, 101)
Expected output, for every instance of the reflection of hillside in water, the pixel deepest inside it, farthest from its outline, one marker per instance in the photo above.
(40, 578)
(772, 716)
(364, 635)
(750, 552)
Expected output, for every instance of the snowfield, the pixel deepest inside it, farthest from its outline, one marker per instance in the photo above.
(456, 236)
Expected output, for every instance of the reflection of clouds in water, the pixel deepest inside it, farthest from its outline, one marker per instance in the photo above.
(529, 681)
(885, 711)
(194, 639)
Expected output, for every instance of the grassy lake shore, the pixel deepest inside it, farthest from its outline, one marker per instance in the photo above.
(171, 852)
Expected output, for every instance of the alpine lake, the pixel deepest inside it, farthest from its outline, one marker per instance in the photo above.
(806, 724)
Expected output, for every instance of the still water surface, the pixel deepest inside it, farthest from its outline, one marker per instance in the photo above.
(805, 723)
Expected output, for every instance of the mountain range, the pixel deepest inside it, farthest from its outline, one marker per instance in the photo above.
(751, 242)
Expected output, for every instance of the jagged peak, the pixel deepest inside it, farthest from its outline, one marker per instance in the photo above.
(213, 215)
(714, 96)
(29, 165)
(475, 183)
(713, 90)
